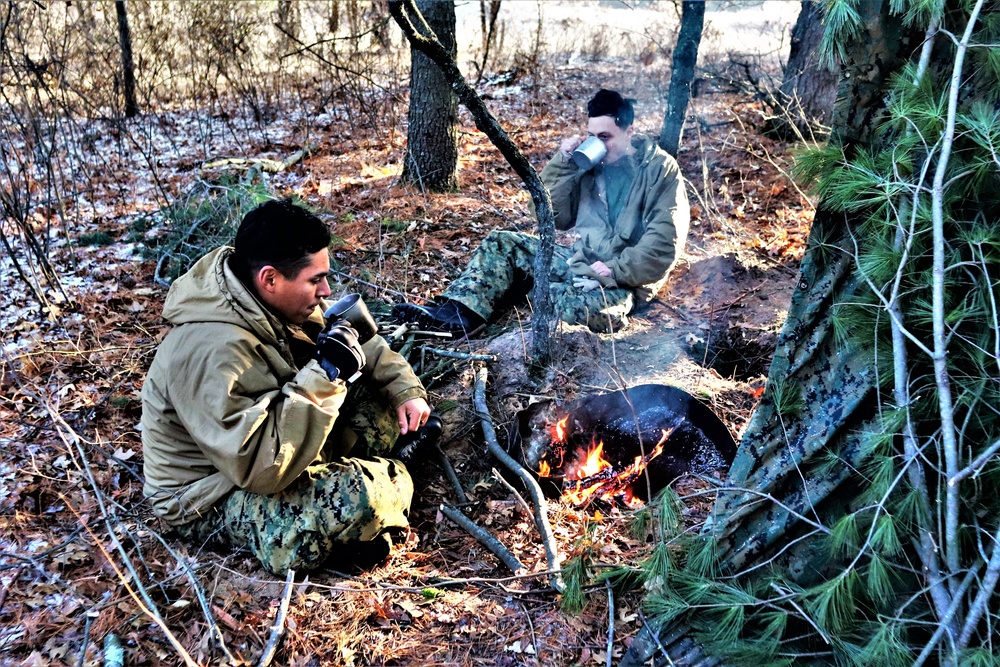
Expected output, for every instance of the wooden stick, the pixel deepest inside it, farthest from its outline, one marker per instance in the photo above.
(520, 499)
(278, 629)
(461, 355)
(484, 537)
(537, 499)
(449, 472)
(611, 621)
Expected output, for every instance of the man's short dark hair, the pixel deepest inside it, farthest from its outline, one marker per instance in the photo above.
(277, 233)
(611, 103)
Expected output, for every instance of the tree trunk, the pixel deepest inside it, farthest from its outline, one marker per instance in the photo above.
(775, 493)
(431, 149)
(682, 73)
(406, 15)
(128, 68)
(808, 88)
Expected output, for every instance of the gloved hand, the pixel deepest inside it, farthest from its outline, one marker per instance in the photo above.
(339, 352)
(585, 284)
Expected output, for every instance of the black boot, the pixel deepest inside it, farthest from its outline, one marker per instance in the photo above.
(447, 315)
(410, 444)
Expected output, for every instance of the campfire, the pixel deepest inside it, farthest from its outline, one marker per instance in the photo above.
(623, 446)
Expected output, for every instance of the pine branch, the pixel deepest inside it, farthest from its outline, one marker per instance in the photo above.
(952, 544)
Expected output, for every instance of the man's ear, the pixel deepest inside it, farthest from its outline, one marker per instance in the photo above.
(266, 279)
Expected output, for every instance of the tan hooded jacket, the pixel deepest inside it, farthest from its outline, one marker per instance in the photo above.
(651, 230)
(226, 405)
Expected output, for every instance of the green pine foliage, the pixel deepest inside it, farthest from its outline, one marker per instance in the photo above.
(873, 600)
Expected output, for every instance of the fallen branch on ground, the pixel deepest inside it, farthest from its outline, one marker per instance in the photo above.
(449, 472)
(537, 499)
(484, 537)
(278, 629)
(264, 164)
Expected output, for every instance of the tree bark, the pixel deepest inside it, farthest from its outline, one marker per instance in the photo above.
(128, 67)
(808, 88)
(406, 15)
(431, 147)
(682, 74)
(834, 380)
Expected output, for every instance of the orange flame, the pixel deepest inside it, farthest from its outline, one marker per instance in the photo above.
(559, 430)
(617, 485)
(593, 463)
(544, 469)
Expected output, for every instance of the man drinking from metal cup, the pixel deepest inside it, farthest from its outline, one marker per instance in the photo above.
(623, 196)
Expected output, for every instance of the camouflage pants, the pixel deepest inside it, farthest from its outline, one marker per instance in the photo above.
(500, 271)
(329, 507)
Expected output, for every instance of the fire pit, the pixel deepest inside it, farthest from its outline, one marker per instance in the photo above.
(624, 445)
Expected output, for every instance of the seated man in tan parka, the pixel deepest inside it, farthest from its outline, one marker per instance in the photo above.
(251, 436)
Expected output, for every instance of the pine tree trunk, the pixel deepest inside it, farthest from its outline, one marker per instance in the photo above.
(431, 150)
(808, 89)
(682, 73)
(128, 68)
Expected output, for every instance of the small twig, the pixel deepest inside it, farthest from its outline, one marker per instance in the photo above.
(977, 465)
(91, 615)
(398, 332)
(278, 629)
(438, 371)
(461, 355)
(538, 500)
(611, 621)
(484, 537)
(449, 472)
(520, 499)
(656, 638)
(531, 628)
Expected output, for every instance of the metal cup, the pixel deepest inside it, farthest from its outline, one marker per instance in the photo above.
(589, 153)
(350, 307)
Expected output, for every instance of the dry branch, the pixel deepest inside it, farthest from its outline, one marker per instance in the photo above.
(484, 537)
(449, 472)
(537, 499)
(278, 629)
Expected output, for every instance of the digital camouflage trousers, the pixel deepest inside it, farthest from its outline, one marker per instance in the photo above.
(500, 271)
(330, 508)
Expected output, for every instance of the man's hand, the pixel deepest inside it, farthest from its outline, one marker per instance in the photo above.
(601, 269)
(569, 145)
(585, 284)
(339, 352)
(413, 414)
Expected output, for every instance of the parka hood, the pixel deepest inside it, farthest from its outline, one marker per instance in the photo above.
(211, 292)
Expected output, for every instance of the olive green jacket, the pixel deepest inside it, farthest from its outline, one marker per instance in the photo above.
(651, 230)
(232, 398)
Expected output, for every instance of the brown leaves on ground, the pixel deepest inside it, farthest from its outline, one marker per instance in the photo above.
(72, 568)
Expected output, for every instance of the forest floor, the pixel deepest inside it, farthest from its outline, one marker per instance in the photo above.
(72, 519)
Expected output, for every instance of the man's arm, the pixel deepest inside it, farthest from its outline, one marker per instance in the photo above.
(390, 374)
(561, 178)
(666, 211)
(260, 433)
